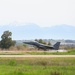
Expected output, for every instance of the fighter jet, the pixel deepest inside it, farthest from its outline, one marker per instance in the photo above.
(42, 46)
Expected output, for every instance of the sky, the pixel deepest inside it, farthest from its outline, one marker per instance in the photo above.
(44, 13)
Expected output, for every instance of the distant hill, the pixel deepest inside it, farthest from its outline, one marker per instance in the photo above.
(32, 31)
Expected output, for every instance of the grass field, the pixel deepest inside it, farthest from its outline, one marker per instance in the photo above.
(70, 52)
(37, 66)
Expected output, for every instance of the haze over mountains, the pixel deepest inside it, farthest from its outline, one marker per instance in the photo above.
(33, 31)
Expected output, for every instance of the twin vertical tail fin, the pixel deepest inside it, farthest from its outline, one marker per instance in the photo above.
(56, 46)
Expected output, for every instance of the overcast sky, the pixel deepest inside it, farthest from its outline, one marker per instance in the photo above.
(40, 12)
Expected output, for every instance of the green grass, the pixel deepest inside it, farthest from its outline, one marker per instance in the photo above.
(52, 53)
(37, 66)
(70, 52)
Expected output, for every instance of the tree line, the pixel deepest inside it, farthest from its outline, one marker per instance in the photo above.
(43, 42)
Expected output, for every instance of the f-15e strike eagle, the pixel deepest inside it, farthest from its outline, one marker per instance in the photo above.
(42, 46)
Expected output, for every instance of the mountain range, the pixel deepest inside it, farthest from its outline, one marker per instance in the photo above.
(33, 31)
